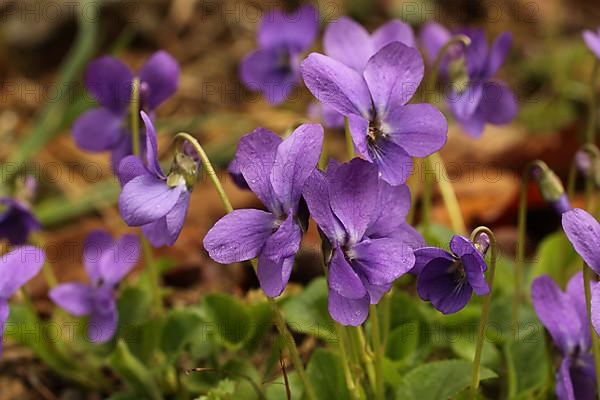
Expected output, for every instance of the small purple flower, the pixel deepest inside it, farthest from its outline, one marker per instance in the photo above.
(448, 280)
(565, 317)
(385, 129)
(155, 201)
(276, 172)
(109, 81)
(363, 219)
(106, 262)
(16, 221)
(282, 37)
(592, 40)
(16, 269)
(475, 99)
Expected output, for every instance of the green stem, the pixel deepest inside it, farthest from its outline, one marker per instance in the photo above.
(486, 307)
(379, 353)
(349, 142)
(520, 256)
(428, 180)
(134, 115)
(154, 275)
(587, 277)
(591, 123)
(278, 319)
(448, 194)
(342, 343)
(363, 352)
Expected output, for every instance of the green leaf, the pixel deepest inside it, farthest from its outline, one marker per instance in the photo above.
(438, 380)
(133, 372)
(464, 347)
(403, 342)
(307, 312)
(262, 319)
(326, 375)
(229, 319)
(134, 307)
(555, 255)
(181, 326)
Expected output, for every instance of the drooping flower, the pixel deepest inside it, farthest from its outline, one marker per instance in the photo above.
(282, 37)
(16, 269)
(16, 221)
(475, 98)
(109, 81)
(155, 201)
(385, 129)
(363, 219)
(276, 172)
(564, 316)
(448, 280)
(592, 40)
(107, 262)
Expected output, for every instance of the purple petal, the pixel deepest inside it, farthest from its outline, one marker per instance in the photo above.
(118, 260)
(465, 102)
(353, 191)
(476, 52)
(576, 378)
(176, 217)
(239, 235)
(96, 244)
(99, 129)
(296, 29)
(335, 84)
(156, 232)
(583, 231)
(359, 128)
(393, 75)
(576, 295)
(284, 242)
(342, 279)
(382, 261)
(393, 31)
(474, 125)
(433, 36)
(274, 275)
(131, 167)
(498, 53)
(376, 292)
(316, 195)
(121, 150)
(393, 203)
(17, 222)
(109, 82)
(296, 159)
(394, 163)
(425, 255)
(592, 40)
(151, 146)
(595, 309)
(420, 129)
(161, 74)
(349, 43)
(348, 312)
(498, 104)
(564, 385)
(74, 298)
(145, 199)
(474, 267)
(441, 286)
(103, 321)
(17, 267)
(256, 155)
(236, 175)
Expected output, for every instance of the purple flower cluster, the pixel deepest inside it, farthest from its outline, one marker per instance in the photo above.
(106, 262)
(109, 81)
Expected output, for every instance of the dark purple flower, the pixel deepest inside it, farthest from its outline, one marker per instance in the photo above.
(448, 280)
(106, 262)
(282, 37)
(106, 128)
(385, 129)
(363, 219)
(16, 221)
(475, 98)
(155, 201)
(564, 316)
(592, 40)
(16, 269)
(276, 172)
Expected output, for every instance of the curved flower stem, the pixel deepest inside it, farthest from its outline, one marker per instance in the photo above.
(379, 353)
(587, 277)
(460, 39)
(486, 306)
(134, 115)
(590, 133)
(448, 194)
(278, 319)
(349, 141)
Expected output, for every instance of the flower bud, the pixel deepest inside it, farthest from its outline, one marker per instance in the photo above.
(588, 164)
(551, 188)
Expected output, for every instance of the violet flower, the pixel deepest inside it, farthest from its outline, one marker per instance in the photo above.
(282, 37)
(16, 221)
(155, 201)
(565, 317)
(363, 219)
(109, 81)
(448, 280)
(276, 171)
(16, 269)
(592, 40)
(106, 262)
(476, 98)
(385, 130)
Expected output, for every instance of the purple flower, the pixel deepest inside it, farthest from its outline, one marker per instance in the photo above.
(16, 269)
(475, 99)
(363, 219)
(448, 280)
(155, 201)
(109, 81)
(564, 316)
(385, 130)
(106, 262)
(16, 221)
(282, 37)
(592, 40)
(276, 172)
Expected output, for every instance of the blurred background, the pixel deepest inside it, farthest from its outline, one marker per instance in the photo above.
(46, 44)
